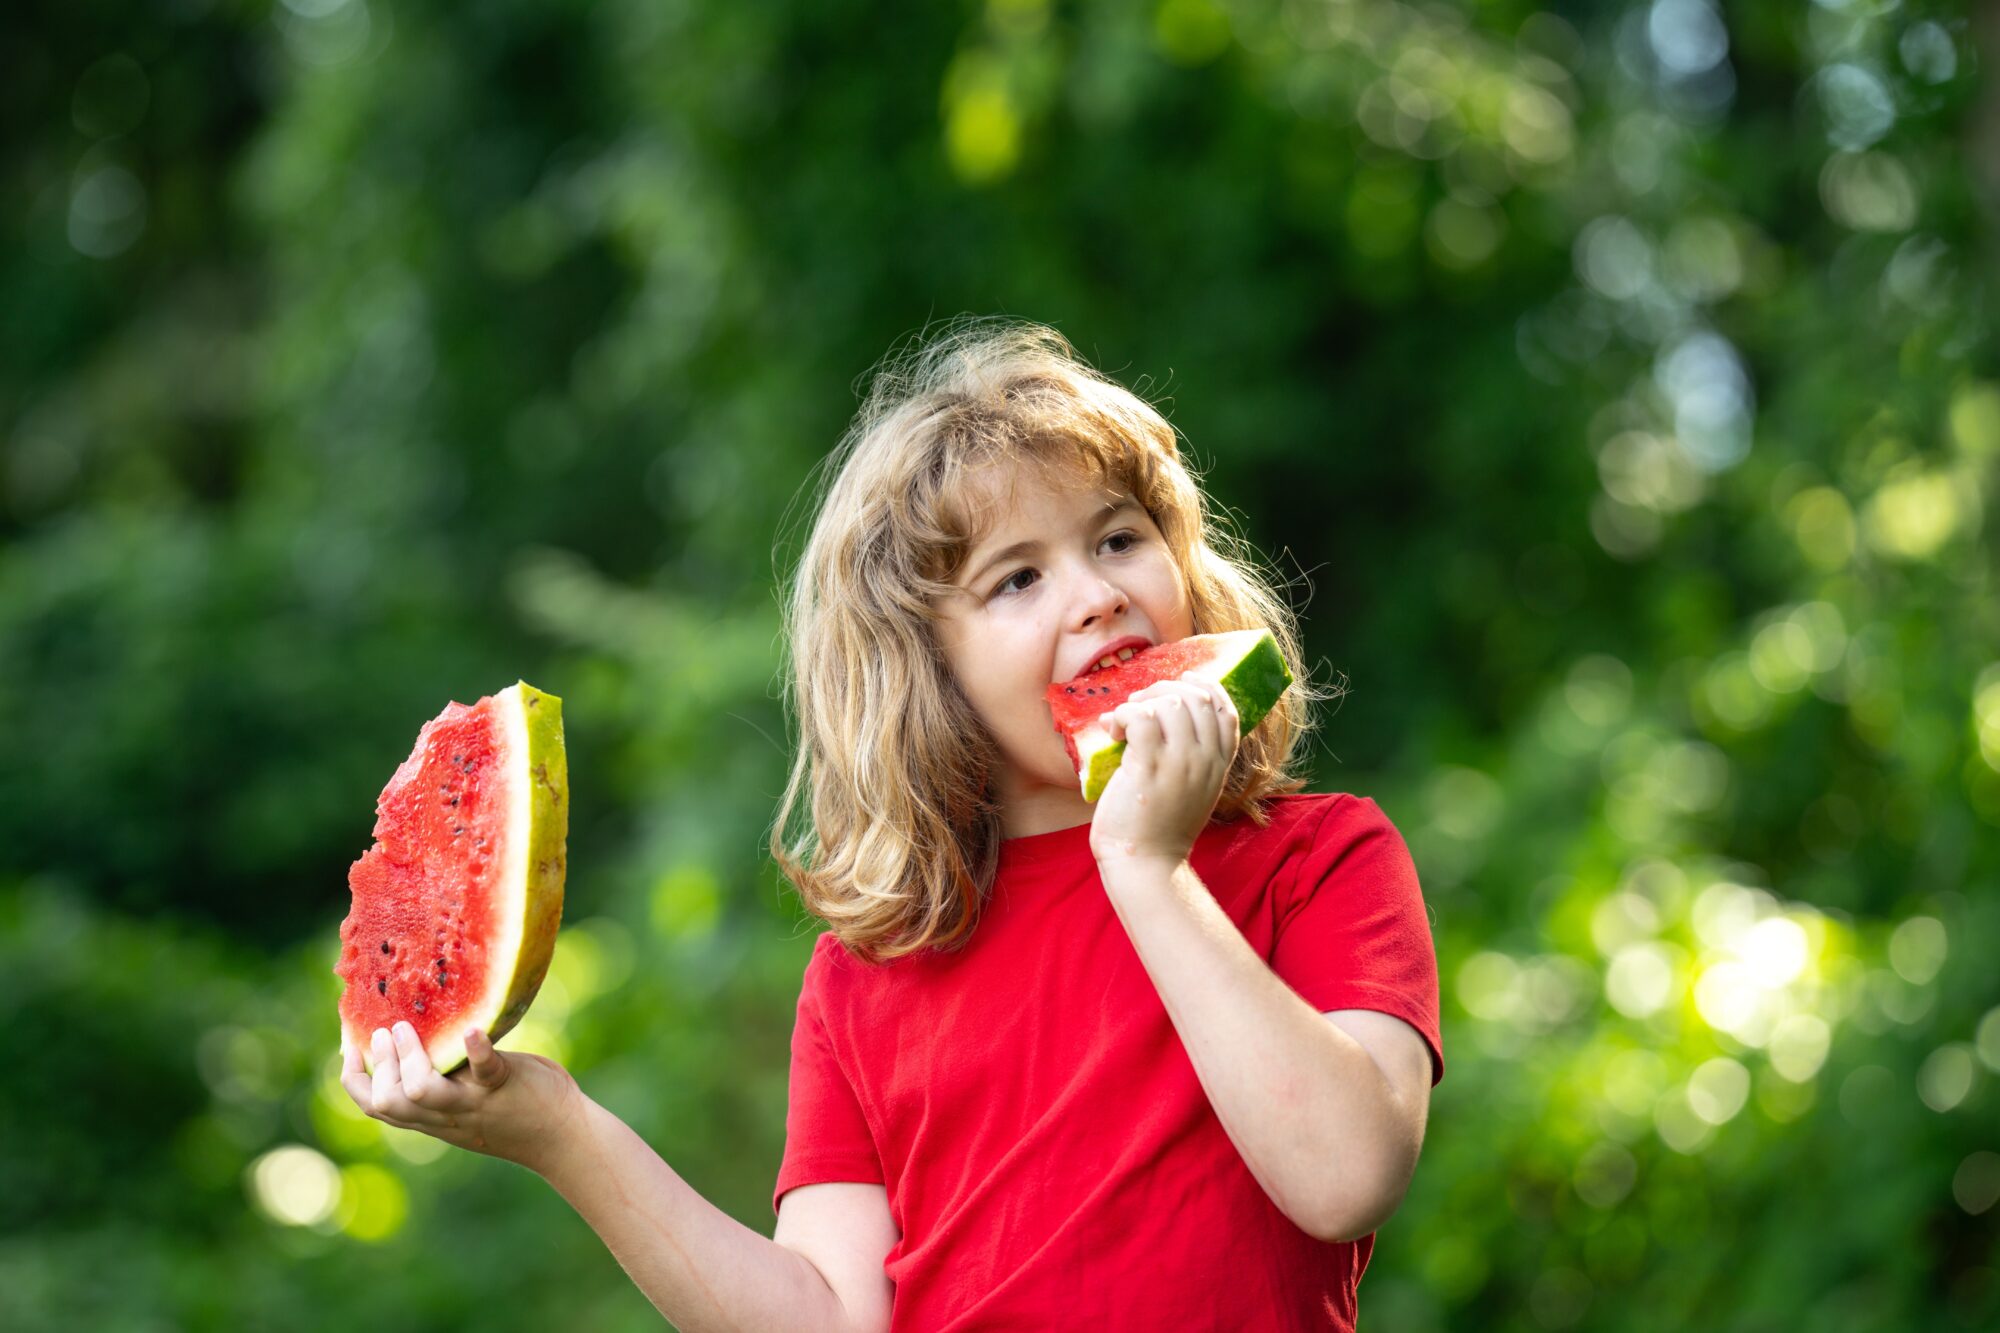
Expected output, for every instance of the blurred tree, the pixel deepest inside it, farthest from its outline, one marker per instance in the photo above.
(1616, 383)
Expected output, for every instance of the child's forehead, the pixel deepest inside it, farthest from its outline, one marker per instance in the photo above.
(1009, 494)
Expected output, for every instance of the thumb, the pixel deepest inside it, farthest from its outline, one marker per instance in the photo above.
(489, 1067)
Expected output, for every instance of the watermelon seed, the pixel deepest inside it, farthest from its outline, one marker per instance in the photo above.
(452, 801)
(420, 1004)
(385, 946)
(381, 988)
(457, 829)
(458, 759)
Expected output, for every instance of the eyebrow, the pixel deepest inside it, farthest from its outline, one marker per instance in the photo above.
(1019, 549)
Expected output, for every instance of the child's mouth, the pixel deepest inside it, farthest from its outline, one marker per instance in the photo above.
(1116, 652)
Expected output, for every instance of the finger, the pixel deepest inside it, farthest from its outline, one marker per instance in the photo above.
(1176, 726)
(488, 1068)
(1225, 710)
(1118, 722)
(1142, 735)
(388, 1073)
(420, 1078)
(354, 1078)
(1228, 728)
(1201, 714)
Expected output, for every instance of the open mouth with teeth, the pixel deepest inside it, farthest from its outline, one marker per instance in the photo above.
(1121, 651)
(1106, 663)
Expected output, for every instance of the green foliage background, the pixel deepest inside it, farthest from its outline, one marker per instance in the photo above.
(1616, 383)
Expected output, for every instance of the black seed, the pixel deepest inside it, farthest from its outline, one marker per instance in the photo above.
(420, 1004)
(440, 962)
(452, 801)
(385, 946)
(440, 979)
(458, 759)
(381, 988)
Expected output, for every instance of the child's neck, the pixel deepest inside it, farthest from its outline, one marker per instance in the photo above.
(1042, 809)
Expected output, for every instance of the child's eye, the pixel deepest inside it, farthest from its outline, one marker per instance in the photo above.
(1007, 585)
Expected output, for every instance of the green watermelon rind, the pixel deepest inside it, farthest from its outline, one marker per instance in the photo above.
(1255, 681)
(534, 720)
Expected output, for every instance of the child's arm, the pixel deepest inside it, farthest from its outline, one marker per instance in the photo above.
(701, 1267)
(1328, 1128)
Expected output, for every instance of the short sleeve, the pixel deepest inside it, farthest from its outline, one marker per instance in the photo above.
(1353, 932)
(826, 1135)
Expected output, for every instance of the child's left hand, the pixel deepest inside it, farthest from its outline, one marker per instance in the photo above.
(1180, 738)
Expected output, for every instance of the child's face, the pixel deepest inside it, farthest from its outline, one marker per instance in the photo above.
(1022, 621)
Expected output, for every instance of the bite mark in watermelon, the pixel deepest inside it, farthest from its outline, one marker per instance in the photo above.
(455, 908)
(1247, 663)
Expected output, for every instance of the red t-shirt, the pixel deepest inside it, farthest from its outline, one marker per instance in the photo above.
(1051, 1159)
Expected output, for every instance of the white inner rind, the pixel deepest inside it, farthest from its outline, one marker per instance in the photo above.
(510, 889)
(509, 893)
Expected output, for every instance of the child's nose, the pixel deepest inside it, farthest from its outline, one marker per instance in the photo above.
(1096, 598)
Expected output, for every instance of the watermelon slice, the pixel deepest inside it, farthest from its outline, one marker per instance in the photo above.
(1247, 663)
(456, 906)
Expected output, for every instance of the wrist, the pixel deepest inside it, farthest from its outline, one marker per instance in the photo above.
(1139, 869)
(569, 1140)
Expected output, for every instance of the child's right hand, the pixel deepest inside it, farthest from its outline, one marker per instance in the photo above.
(519, 1107)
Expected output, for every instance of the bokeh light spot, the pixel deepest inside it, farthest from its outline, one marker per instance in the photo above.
(686, 902)
(1823, 526)
(1717, 1089)
(1913, 514)
(1678, 1126)
(294, 1185)
(373, 1202)
(1641, 979)
(1488, 985)
(1976, 1183)
(1868, 192)
(1987, 1040)
(1798, 1046)
(1190, 32)
(1917, 949)
(1947, 1075)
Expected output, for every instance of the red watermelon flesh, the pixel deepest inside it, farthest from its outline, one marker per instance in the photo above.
(1246, 663)
(455, 908)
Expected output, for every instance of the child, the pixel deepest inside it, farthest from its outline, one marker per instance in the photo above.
(1161, 1061)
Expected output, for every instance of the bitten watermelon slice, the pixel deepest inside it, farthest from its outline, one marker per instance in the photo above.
(456, 906)
(1247, 663)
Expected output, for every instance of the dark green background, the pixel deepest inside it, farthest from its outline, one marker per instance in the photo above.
(1613, 386)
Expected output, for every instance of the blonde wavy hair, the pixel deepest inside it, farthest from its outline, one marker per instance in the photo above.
(903, 839)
